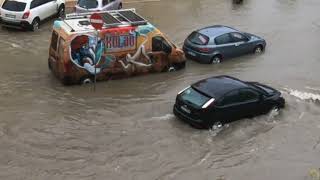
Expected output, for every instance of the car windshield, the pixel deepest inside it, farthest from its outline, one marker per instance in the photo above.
(198, 38)
(194, 97)
(14, 5)
(88, 4)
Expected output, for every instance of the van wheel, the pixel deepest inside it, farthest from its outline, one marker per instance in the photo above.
(61, 11)
(35, 24)
(172, 69)
(86, 80)
(217, 59)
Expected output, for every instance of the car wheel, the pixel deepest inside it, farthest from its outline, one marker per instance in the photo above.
(216, 59)
(120, 6)
(258, 49)
(35, 24)
(61, 12)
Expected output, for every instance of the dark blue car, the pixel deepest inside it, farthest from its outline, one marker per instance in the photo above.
(215, 43)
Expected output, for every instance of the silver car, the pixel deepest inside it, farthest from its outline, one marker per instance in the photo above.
(216, 43)
(97, 5)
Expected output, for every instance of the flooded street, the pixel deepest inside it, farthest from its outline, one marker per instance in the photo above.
(126, 129)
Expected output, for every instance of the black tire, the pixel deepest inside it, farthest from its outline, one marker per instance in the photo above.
(61, 12)
(35, 24)
(86, 80)
(258, 49)
(217, 59)
(120, 6)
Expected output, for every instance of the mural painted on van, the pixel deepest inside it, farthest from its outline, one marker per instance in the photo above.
(121, 52)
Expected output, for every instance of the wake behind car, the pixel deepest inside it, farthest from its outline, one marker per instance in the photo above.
(28, 13)
(216, 43)
(97, 5)
(127, 45)
(223, 99)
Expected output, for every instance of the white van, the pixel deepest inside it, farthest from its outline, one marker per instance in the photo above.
(28, 13)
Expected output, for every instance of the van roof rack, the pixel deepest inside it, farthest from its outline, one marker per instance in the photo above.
(114, 18)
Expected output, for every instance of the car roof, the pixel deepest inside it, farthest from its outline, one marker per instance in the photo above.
(217, 86)
(216, 30)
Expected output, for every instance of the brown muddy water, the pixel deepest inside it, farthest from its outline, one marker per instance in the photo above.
(126, 130)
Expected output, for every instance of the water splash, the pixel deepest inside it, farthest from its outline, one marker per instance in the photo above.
(163, 118)
(304, 95)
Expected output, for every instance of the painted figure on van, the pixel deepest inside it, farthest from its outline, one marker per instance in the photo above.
(88, 53)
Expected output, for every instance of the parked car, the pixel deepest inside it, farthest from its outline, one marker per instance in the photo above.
(215, 43)
(29, 13)
(223, 99)
(97, 5)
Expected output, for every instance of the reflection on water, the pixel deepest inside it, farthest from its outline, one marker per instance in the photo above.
(126, 129)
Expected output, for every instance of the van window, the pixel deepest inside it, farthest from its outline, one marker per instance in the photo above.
(160, 44)
(88, 4)
(14, 6)
(54, 40)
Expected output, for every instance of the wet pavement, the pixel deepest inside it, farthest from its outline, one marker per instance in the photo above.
(126, 129)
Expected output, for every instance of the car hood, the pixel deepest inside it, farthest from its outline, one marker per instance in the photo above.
(269, 90)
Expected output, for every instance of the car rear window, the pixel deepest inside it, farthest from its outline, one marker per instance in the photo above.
(14, 5)
(88, 4)
(198, 38)
(194, 97)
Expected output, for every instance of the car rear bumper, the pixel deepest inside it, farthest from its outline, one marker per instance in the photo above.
(196, 56)
(197, 123)
(14, 24)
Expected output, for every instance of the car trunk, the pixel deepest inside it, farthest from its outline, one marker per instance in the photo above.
(13, 10)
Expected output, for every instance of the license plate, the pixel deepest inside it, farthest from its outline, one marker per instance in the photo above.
(191, 53)
(185, 109)
(10, 15)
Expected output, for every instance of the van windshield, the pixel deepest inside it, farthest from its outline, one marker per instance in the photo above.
(88, 4)
(14, 6)
(194, 97)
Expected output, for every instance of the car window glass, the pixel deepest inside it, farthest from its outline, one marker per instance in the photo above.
(223, 39)
(248, 95)
(237, 37)
(198, 38)
(54, 40)
(88, 4)
(231, 98)
(14, 5)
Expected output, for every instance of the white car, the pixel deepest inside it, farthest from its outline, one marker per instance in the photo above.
(97, 5)
(29, 13)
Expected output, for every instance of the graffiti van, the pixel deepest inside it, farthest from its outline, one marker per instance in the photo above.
(127, 45)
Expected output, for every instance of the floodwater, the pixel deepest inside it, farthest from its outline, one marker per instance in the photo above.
(126, 129)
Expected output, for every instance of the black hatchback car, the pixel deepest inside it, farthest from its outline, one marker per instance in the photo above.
(222, 99)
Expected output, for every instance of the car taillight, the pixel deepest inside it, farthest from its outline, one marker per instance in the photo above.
(208, 103)
(26, 15)
(205, 50)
